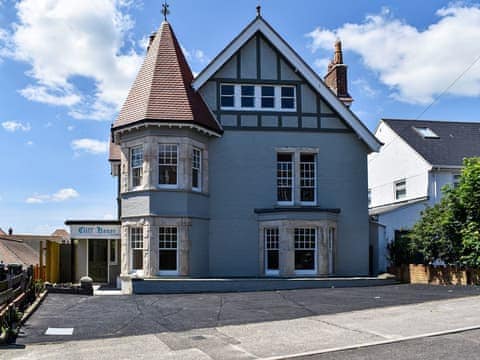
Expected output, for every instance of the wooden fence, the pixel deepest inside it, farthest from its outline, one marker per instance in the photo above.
(16, 293)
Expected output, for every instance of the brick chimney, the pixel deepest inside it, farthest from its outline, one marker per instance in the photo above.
(336, 78)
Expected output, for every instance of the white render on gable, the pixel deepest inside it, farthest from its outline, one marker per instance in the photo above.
(395, 161)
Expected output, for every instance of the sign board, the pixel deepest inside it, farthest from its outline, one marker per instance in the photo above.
(95, 231)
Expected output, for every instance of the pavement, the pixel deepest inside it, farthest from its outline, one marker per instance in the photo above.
(463, 345)
(241, 325)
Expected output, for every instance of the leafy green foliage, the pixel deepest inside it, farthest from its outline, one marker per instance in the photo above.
(450, 230)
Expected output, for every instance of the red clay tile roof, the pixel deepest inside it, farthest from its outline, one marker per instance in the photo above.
(162, 90)
(17, 252)
(62, 233)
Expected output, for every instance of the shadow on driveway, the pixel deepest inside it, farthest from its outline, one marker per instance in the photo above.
(94, 317)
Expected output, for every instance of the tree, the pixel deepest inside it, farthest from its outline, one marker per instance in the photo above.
(450, 230)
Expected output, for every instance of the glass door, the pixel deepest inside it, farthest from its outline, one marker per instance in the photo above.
(97, 260)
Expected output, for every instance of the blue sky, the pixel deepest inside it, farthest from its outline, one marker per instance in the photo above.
(66, 66)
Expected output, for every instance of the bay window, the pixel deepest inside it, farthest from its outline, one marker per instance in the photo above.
(136, 166)
(168, 165)
(136, 248)
(305, 250)
(168, 249)
(196, 169)
(271, 239)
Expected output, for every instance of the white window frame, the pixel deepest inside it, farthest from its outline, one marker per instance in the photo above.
(315, 249)
(168, 186)
(266, 237)
(397, 187)
(132, 168)
(197, 168)
(136, 242)
(314, 202)
(112, 243)
(292, 179)
(237, 98)
(160, 229)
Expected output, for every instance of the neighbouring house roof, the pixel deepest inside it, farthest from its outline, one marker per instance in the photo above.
(2, 232)
(62, 233)
(454, 142)
(162, 91)
(260, 25)
(382, 209)
(33, 238)
(17, 252)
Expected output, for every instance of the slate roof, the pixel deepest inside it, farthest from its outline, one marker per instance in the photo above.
(17, 252)
(162, 90)
(456, 140)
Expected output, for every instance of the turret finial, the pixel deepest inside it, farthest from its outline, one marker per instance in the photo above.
(165, 10)
(259, 11)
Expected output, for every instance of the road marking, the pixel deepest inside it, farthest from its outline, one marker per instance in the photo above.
(59, 331)
(374, 343)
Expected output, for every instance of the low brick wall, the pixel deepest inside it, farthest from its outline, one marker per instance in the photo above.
(435, 275)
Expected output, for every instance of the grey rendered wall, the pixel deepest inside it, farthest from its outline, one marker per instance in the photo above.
(243, 177)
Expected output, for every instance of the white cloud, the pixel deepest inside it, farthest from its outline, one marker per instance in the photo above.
(13, 126)
(62, 40)
(48, 124)
(70, 127)
(365, 87)
(195, 55)
(30, 143)
(91, 146)
(59, 196)
(417, 64)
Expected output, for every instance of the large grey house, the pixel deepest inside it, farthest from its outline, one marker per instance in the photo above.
(256, 167)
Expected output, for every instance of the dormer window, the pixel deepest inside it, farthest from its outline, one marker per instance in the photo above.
(426, 132)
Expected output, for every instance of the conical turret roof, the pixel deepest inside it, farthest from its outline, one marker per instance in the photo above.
(162, 90)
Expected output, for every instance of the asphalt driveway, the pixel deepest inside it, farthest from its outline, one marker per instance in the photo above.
(117, 316)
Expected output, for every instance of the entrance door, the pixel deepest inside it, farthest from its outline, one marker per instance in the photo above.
(97, 260)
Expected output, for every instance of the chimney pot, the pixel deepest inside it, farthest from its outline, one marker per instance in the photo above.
(10, 231)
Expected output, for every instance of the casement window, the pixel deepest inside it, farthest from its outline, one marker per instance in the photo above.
(288, 97)
(258, 97)
(400, 189)
(227, 96)
(197, 169)
(136, 248)
(305, 250)
(268, 97)
(167, 165)
(136, 165)
(113, 251)
(307, 178)
(248, 96)
(168, 246)
(271, 238)
(285, 178)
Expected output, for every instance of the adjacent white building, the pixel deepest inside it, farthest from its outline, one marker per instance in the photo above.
(417, 160)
